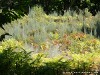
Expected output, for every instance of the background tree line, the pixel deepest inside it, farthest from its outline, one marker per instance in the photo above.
(13, 9)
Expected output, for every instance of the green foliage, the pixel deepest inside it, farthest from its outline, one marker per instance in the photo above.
(37, 26)
(61, 5)
(14, 59)
(50, 44)
(13, 9)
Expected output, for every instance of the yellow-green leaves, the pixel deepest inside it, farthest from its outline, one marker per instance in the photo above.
(10, 44)
(1, 49)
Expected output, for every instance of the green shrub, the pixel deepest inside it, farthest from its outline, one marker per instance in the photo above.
(37, 22)
(14, 59)
(57, 44)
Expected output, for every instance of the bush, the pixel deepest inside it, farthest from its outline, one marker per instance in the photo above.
(50, 44)
(13, 59)
(13, 9)
(16, 60)
(37, 23)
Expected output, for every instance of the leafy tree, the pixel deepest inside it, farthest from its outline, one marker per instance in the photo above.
(13, 9)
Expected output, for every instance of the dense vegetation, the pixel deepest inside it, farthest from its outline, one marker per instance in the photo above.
(13, 9)
(41, 44)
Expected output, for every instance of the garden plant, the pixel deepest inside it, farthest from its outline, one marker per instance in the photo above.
(42, 44)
